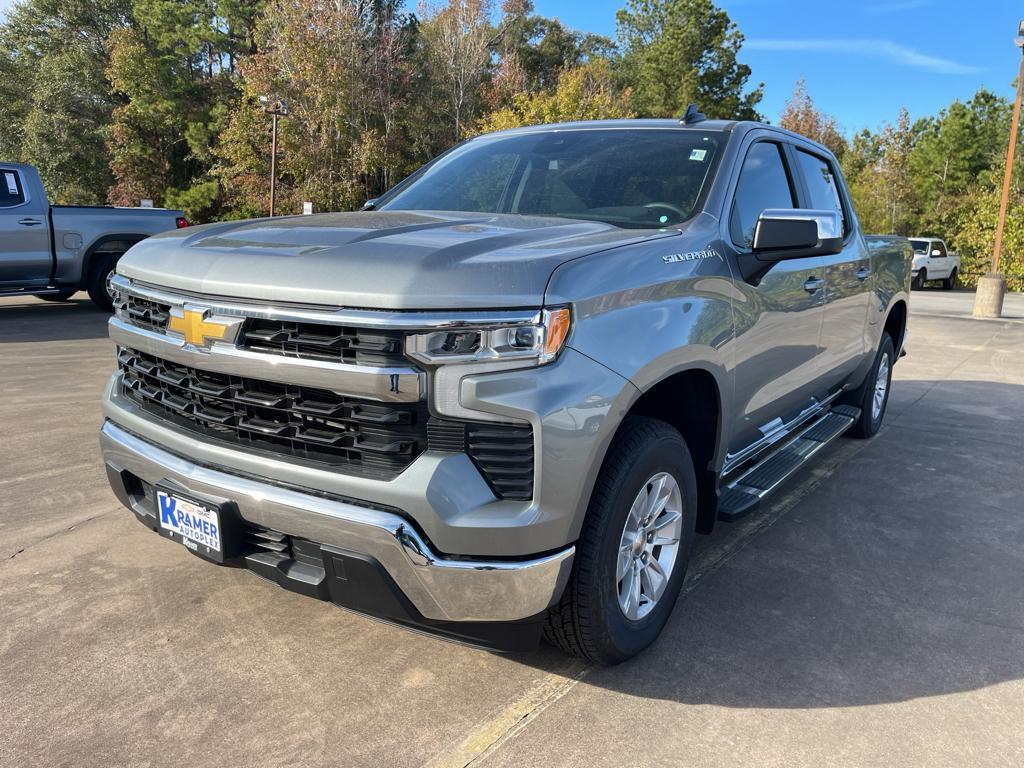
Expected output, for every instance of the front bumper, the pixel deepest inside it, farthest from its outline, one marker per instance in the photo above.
(457, 597)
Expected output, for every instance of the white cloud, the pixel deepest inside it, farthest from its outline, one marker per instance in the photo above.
(874, 48)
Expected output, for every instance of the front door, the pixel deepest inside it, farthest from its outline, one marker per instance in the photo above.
(778, 317)
(24, 236)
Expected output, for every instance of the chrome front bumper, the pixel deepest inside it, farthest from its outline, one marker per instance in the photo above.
(441, 589)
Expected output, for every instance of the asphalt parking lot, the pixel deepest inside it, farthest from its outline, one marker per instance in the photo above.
(873, 614)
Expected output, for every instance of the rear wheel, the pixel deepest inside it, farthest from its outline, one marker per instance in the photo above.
(919, 279)
(950, 282)
(634, 548)
(99, 288)
(874, 392)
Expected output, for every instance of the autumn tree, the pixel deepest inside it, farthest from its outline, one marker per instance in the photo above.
(675, 52)
(801, 116)
(458, 40)
(585, 92)
(342, 68)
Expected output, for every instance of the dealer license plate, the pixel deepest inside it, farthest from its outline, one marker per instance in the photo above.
(194, 524)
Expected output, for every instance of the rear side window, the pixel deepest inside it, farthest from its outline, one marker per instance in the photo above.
(763, 184)
(821, 184)
(11, 191)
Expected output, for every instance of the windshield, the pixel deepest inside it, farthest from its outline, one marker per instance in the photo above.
(626, 177)
(919, 246)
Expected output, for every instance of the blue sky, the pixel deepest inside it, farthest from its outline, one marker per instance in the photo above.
(862, 60)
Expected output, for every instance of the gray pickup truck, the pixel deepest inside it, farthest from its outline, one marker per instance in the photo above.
(503, 399)
(52, 251)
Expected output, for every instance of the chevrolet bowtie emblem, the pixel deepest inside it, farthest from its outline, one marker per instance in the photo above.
(194, 325)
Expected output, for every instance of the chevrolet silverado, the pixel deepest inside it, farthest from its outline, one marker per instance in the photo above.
(52, 251)
(503, 399)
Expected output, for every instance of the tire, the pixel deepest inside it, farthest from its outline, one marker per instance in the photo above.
(919, 279)
(872, 413)
(62, 296)
(589, 620)
(102, 271)
(950, 282)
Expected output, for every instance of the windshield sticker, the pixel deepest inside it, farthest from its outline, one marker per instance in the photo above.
(12, 183)
(698, 155)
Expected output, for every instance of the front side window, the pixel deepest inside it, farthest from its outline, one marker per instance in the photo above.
(625, 177)
(763, 184)
(11, 191)
(939, 246)
(821, 184)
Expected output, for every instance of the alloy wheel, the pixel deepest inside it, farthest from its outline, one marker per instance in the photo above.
(649, 545)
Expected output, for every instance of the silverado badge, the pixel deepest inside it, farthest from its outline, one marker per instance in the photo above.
(193, 325)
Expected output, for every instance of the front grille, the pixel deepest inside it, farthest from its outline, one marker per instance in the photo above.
(316, 341)
(502, 452)
(358, 436)
(324, 342)
(145, 313)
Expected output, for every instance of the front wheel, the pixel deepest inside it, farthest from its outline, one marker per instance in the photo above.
(919, 279)
(950, 282)
(634, 548)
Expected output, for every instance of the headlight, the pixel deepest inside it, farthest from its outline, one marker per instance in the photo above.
(527, 344)
(459, 352)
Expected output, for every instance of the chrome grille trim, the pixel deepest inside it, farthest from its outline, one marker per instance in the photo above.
(412, 320)
(384, 384)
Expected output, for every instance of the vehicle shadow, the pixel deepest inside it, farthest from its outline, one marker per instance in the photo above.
(898, 576)
(30, 319)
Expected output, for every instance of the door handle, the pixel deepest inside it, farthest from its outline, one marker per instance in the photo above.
(813, 284)
(863, 273)
(29, 222)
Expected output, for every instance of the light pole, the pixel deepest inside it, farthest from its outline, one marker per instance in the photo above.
(988, 301)
(275, 108)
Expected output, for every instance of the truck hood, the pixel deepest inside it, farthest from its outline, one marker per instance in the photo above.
(376, 259)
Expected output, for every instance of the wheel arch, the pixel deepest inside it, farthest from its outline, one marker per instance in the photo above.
(105, 246)
(690, 400)
(896, 324)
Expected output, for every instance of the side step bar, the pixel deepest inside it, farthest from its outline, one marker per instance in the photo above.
(5, 292)
(741, 496)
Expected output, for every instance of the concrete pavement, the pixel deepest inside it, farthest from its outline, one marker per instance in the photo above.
(873, 614)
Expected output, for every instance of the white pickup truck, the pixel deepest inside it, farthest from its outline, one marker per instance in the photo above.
(52, 251)
(933, 261)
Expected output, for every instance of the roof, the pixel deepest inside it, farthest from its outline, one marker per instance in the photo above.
(728, 126)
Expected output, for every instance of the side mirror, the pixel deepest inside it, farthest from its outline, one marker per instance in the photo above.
(936, 252)
(794, 233)
(370, 204)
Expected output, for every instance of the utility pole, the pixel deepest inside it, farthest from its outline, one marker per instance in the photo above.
(275, 108)
(988, 301)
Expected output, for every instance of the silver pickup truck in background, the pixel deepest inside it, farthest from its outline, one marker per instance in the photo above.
(52, 251)
(506, 397)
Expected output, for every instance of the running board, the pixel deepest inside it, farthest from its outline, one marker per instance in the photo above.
(743, 495)
(7, 292)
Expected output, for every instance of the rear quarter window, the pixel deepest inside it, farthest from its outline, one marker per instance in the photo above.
(11, 190)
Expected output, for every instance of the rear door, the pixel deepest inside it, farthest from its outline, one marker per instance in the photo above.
(778, 317)
(24, 237)
(848, 279)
